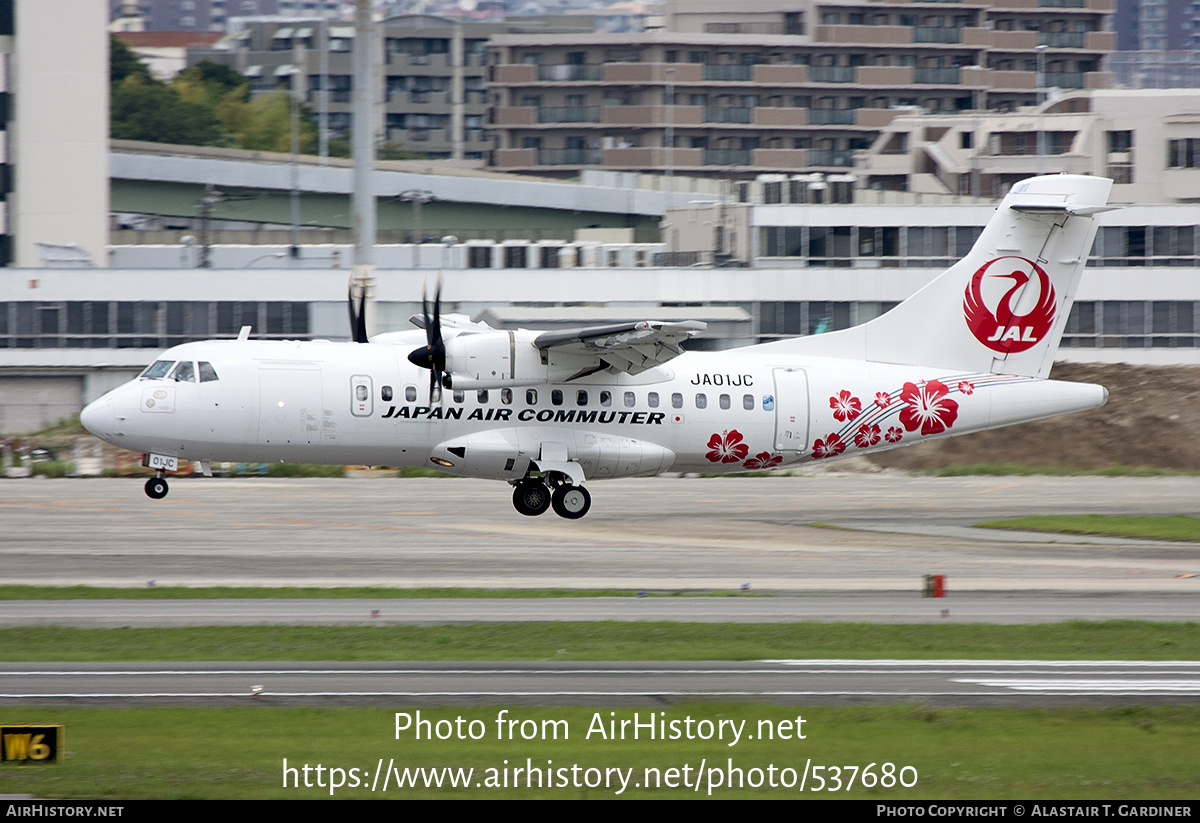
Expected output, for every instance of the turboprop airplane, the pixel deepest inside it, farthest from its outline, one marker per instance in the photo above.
(546, 411)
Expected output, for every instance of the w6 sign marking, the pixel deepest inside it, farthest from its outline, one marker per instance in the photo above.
(1003, 330)
(22, 744)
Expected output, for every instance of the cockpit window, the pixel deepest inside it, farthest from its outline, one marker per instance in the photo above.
(157, 370)
(185, 372)
(207, 373)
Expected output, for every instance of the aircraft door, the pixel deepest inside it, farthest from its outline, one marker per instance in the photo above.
(791, 410)
(362, 404)
(289, 405)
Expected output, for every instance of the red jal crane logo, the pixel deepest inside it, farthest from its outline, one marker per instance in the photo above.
(1004, 330)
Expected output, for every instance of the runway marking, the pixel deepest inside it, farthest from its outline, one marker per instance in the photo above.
(1088, 686)
(1002, 488)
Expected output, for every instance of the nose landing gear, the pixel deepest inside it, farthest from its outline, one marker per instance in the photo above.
(533, 496)
(156, 487)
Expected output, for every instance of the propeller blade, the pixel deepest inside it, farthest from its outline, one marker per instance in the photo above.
(358, 316)
(432, 355)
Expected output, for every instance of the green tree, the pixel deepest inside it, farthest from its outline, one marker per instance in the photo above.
(211, 83)
(265, 123)
(122, 62)
(142, 110)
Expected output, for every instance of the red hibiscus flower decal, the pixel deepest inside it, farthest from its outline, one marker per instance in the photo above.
(966, 388)
(844, 406)
(866, 436)
(893, 435)
(763, 460)
(883, 399)
(831, 446)
(927, 407)
(727, 447)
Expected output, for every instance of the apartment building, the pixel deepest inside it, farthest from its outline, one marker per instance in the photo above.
(771, 89)
(432, 85)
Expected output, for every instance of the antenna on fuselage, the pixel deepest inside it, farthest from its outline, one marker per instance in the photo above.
(244, 334)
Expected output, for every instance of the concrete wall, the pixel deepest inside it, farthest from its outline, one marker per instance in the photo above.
(58, 137)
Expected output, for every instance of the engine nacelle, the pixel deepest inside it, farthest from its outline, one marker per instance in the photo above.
(498, 359)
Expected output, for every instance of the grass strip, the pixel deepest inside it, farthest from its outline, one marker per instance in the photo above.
(238, 753)
(1074, 640)
(1172, 527)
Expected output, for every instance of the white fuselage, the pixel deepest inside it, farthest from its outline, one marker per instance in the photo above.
(741, 410)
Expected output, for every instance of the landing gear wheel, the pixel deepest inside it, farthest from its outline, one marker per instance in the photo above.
(531, 498)
(156, 488)
(571, 502)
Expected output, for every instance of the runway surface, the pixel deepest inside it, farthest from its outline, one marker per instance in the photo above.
(873, 607)
(652, 535)
(658, 534)
(812, 682)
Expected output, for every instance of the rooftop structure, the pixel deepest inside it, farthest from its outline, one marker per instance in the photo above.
(1148, 142)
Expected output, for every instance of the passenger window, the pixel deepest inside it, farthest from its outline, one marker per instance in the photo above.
(385, 392)
(410, 393)
(556, 397)
(185, 372)
(748, 402)
(360, 392)
(630, 399)
(677, 400)
(459, 395)
(207, 373)
(725, 401)
(531, 397)
(506, 396)
(605, 398)
(702, 401)
(652, 400)
(157, 370)
(482, 395)
(581, 398)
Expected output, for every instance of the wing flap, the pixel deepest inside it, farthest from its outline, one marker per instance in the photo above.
(624, 347)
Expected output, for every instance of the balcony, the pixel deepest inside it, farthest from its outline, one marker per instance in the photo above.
(932, 34)
(568, 114)
(515, 73)
(780, 159)
(831, 117)
(514, 116)
(652, 73)
(633, 115)
(831, 74)
(569, 157)
(720, 114)
(1062, 39)
(778, 74)
(736, 74)
(727, 157)
(780, 117)
(568, 73)
(937, 77)
(829, 158)
(1063, 80)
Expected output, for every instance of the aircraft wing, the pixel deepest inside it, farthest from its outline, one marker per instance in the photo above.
(622, 347)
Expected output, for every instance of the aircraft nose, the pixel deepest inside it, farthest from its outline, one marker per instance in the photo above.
(97, 417)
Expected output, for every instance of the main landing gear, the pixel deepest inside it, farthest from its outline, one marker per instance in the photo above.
(156, 487)
(532, 496)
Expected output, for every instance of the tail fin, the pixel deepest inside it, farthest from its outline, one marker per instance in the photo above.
(1003, 307)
